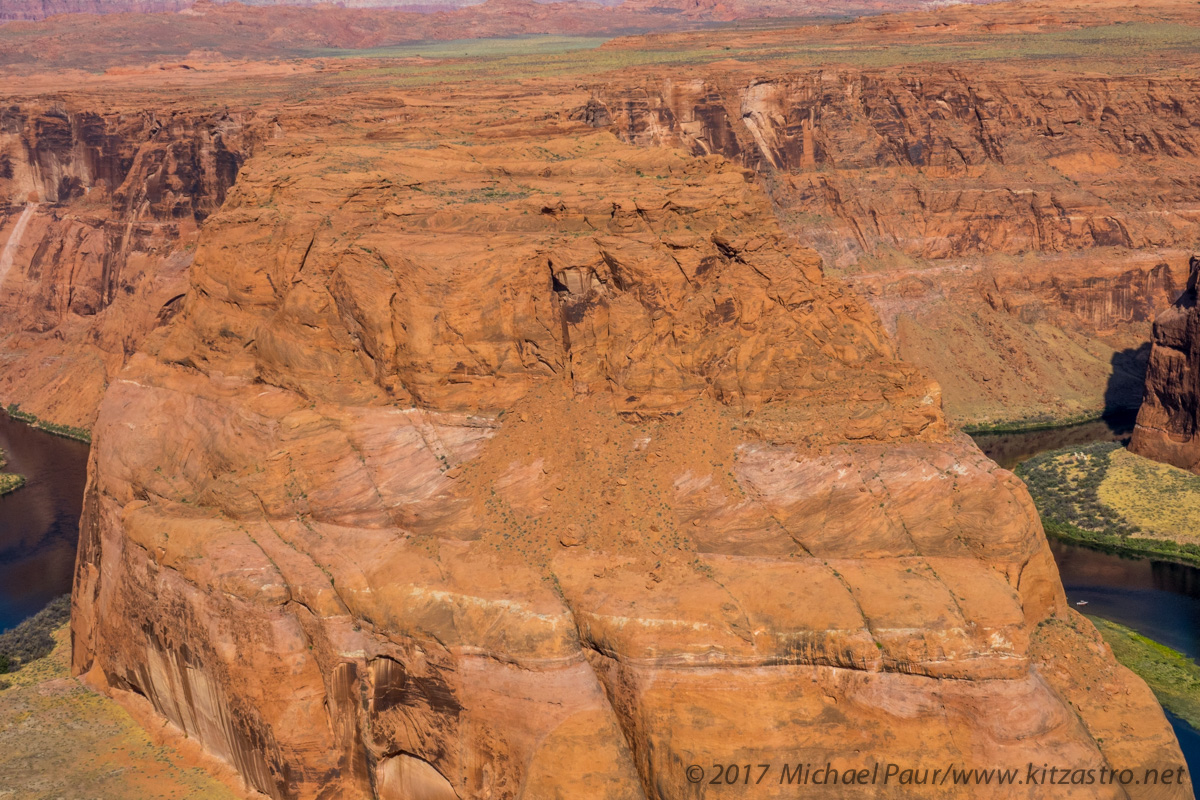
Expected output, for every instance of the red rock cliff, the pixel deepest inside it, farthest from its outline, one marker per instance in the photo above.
(99, 227)
(1168, 423)
(1016, 231)
(543, 465)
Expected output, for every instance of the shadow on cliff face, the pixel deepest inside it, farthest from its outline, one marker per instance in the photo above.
(1122, 397)
(1126, 384)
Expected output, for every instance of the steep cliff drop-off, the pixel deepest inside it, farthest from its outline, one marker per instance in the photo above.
(99, 225)
(543, 465)
(1017, 228)
(1168, 423)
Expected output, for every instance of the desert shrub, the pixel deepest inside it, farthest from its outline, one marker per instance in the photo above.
(1065, 488)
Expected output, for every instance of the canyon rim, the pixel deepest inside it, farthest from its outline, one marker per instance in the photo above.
(485, 425)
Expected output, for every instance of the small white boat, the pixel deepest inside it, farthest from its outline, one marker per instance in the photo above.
(1081, 602)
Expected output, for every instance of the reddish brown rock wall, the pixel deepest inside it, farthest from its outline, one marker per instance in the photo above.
(1169, 419)
(545, 465)
(1016, 233)
(99, 229)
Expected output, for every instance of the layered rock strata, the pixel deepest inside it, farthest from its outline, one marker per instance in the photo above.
(1017, 233)
(1168, 423)
(99, 225)
(543, 465)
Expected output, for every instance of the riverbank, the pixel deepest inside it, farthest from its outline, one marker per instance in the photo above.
(65, 431)
(1034, 424)
(39, 525)
(33, 638)
(1173, 677)
(1011, 448)
(1102, 496)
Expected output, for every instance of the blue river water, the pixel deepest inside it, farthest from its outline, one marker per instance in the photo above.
(1157, 599)
(39, 523)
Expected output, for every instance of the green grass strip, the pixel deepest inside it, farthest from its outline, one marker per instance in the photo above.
(1173, 677)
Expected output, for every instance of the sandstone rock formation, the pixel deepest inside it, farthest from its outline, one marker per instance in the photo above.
(99, 225)
(538, 464)
(1016, 233)
(500, 437)
(1016, 230)
(1168, 423)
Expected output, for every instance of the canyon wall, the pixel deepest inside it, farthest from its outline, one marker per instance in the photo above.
(535, 464)
(1016, 234)
(528, 439)
(1024, 303)
(100, 216)
(1168, 422)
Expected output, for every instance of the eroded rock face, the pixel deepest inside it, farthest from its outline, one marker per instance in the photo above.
(1169, 419)
(544, 465)
(101, 216)
(1017, 233)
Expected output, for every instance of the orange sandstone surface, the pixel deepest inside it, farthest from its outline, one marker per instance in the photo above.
(465, 434)
(540, 464)
(1011, 187)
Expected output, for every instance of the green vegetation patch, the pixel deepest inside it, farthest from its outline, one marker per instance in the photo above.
(1075, 497)
(493, 47)
(65, 431)
(1065, 487)
(1173, 677)
(33, 638)
(8, 481)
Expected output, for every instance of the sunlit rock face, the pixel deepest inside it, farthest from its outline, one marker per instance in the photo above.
(1168, 422)
(1016, 231)
(542, 464)
(99, 219)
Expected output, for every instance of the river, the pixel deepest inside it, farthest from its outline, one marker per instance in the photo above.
(39, 523)
(1010, 449)
(1158, 599)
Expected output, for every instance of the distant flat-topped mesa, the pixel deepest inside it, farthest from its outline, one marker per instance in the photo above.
(642, 11)
(537, 464)
(1168, 423)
